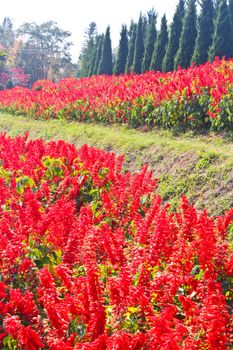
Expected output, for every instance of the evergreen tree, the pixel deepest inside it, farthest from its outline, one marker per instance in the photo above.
(139, 48)
(231, 13)
(144, 26)
(150, 40)
(205, 32)
(105, 66)
(188, 36)
(99, 49)
(132, 41)
(86, 56)
(93, 56)
(222, 40)
(160, 47)
(122, 52)
(174, 38)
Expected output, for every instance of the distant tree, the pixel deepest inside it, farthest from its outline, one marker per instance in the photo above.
(188, 36)
(3, 58)
(131, 44)
(205, 32)
(86, 56)
(122, 52)
(14, 53)
(45, 50)
(150, 40)
(7, 34)
(222, 40)
(139, 47)
(105, 66)
(160, 46)
(174, 38)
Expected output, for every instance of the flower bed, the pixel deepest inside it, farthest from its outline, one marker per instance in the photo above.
(195, 98)
(91, 259)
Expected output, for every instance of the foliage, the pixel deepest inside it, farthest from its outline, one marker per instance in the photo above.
(14, 77)
(150, 40)
(7, 34)
(86, 58)
(45, 50)
(223, 37)
(98, 52)
(91, 259)
(105, 66)
(132, 39)
(174, 38)
(205, 32)
(188, 36)
(139, 47)
(122, 52)
(160, 46)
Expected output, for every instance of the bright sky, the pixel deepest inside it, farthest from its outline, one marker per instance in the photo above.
(74, 15)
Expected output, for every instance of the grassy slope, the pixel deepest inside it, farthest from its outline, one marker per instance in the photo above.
(199, 167)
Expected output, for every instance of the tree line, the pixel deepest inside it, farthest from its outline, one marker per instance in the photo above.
(200, 30)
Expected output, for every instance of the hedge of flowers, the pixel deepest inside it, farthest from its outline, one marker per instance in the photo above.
(196, 98)
(90, 258)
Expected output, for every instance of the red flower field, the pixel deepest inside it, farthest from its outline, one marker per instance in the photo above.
(91, 258)
(197, 98)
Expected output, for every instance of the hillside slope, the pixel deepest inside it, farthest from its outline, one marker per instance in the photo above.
(199, 167)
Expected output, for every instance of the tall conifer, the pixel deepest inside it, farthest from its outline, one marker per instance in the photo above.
(139, 48)
(150, 40)
(122, 52)
(222, 40)
(131, 44)
(188, 36)
(205, 32)
(160, 46)
(105, 66)
(174, 38)
(97, 54)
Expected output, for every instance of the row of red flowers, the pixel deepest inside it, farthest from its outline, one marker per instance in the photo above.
(90, 258)
(198, 97)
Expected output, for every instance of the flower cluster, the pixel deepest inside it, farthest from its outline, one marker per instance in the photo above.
(90, 258)
(197, 97)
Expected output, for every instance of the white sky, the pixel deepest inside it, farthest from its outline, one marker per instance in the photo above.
(74, 15)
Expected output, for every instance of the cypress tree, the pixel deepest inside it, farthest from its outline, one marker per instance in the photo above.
(188, 36)
(231, 13)
(87, 52)
(174, 39)
(122, 52)
(231, 7)
(99, 49)
(160, 47)
(222, 40)
(132, 41)
(94, 56)
(150, 41)
(105, 66)
(139, 48)
(205, 32)
(144, 27)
